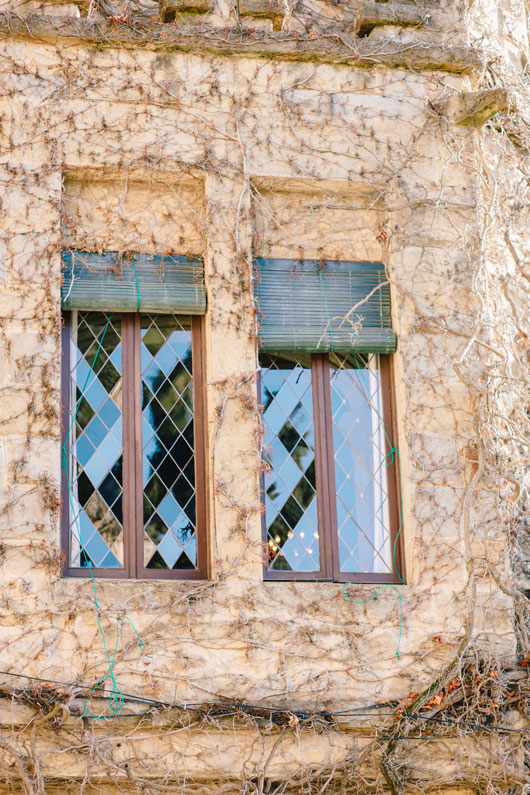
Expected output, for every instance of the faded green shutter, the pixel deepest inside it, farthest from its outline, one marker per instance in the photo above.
(128, 283)
(306, 305)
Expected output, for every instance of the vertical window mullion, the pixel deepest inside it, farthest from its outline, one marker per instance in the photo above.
(329, 453)
(128, 483)
(136, 450)
(321, 407)
(129, 474)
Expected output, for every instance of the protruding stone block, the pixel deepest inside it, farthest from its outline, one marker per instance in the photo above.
(475, 108)
(170, 9)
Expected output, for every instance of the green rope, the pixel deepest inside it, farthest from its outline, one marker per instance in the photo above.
(392, 448)
(136, 633)
(137, 287)
(116, 699)
(364, 601)
(393, 451)
(391, 455)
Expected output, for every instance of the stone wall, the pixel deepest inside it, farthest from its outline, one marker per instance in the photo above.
(116, 144)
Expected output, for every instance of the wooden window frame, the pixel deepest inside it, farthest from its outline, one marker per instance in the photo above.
(325, 484)
(133, 527)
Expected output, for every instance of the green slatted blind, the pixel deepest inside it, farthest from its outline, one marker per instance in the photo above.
(139, 282)
(305, 305)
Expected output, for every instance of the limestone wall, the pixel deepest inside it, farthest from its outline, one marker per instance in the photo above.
(229, 157)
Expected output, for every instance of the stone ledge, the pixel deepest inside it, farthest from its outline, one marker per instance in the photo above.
(320, 48)
(364, 15)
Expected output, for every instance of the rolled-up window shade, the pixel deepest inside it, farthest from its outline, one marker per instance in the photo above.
(132, 282)
(314, 306)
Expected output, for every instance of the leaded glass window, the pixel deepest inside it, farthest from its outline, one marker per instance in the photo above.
(95, 442)
(290, 488)
(361, 465)
(133, 451)
(168, 467)
(329, 486)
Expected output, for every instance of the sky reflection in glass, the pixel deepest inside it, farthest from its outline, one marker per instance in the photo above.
(290, 492)
(168, 466)
(360, 472)
(95, 442)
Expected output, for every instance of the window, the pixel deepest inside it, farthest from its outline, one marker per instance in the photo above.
(134, 478)
(329, 489)
(330, 486)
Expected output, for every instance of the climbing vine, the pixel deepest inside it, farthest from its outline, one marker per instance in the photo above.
(309, 131)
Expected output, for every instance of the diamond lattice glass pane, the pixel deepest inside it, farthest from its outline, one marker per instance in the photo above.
(168, 466)
(290, 490)
(360, 472)
(94, 443)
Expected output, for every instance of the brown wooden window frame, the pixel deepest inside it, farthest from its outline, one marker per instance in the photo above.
(133, 529)
(325, 484)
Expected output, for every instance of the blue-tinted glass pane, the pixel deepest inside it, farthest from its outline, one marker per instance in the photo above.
(95, 442)
(95, 431)
(360, 475)
(84, 450)
(290, 491)
(167, 438)
(109, 413)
